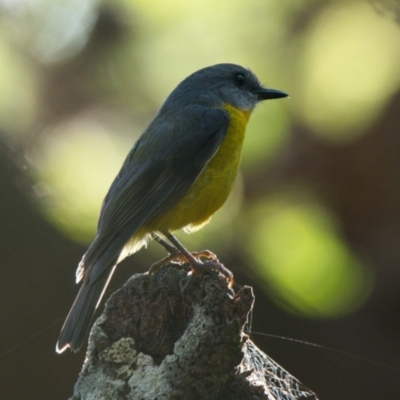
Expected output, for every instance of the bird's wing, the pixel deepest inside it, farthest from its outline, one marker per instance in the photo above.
(155, 176)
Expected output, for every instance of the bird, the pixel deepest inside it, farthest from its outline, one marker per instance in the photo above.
(176, 176)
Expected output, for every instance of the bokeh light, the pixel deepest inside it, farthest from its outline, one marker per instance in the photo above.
(53, 31)
(350, 67)
(297, 248)
(19, 92)
(267, 133)
(74, 168)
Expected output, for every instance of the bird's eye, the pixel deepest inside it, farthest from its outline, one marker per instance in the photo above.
(239, 79)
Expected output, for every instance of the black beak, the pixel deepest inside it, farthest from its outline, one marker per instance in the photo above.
(269, 94)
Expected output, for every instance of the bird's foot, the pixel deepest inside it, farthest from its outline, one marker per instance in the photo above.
(172, 258)
(204, 254)
(196, 264)
(214, 265)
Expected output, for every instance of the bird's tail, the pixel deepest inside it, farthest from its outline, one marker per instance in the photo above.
(78, 320)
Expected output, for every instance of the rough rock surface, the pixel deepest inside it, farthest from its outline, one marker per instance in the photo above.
(173, 336)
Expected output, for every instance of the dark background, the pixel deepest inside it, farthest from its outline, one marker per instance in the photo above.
(358, 181)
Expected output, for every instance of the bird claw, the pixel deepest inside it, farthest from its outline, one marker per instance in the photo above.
(196, 264)
(206, 254)
(213, 265)
(172, 258)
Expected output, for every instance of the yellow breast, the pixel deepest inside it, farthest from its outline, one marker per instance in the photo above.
(212, 187)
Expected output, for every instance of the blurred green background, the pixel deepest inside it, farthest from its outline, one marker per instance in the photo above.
(314, 220)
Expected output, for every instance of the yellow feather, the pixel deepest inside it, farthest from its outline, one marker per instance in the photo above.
(212, 187)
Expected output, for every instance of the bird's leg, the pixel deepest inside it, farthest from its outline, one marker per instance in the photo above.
(174, 254)
(178, 253)
(170, 249)
(164, 261)
(197, 265)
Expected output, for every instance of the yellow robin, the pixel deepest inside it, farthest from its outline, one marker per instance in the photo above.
(177, 175)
